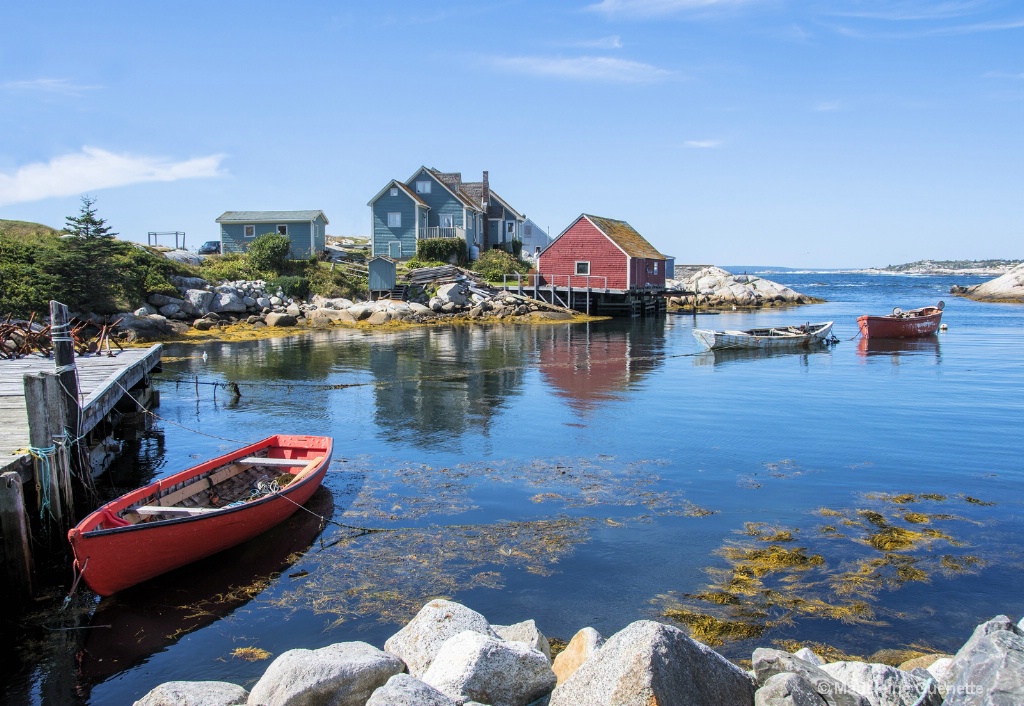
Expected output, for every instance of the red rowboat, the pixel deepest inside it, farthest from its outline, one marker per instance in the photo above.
(903, 324)
(198, 512)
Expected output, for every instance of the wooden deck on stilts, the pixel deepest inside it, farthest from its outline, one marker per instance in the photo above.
(102, 380)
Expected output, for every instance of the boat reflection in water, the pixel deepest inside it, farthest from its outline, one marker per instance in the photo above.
(737, 355)
(895, 348)
(150, 617)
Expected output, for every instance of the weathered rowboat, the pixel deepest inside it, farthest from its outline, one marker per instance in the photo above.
(903, 324)
(775, 338)
(197, 512)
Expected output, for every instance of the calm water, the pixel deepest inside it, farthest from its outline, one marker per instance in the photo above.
(587, 475)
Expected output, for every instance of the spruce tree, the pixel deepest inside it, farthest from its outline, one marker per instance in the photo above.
(86, 224)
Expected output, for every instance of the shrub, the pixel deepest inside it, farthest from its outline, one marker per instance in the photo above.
(495, 263)
(416, 263)
(269, 252)
(232, 266)
(290, 285)
(336, 283)
(442, 250)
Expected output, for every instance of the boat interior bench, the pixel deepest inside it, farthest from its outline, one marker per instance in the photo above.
(173, 510)
(258, 461)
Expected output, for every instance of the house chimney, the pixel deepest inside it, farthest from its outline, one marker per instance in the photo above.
(486, 192)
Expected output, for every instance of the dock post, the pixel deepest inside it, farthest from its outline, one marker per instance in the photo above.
(44, 400)
(64, 360)
(17, 541)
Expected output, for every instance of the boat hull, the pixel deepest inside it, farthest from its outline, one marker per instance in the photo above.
(900, 327)
(112, 558)
(723, 340)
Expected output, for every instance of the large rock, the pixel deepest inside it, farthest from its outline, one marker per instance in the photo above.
(143, 328)
(360, 311)
(807, 655)
(403, 690)
(324, 317)
(278, 319)
(417, 308)
(418, 642)
(989, 671)
(1007, 288)
(470, 665)
(197, 302)
(454, 293)
(343, 674)
(379, 317)
(183, 283)
(159, 300)
(228, 302)
(581, 647)
(195, 693)
(881, 684)
(769, 662)
(787, 689)
(965, 655)
(652, 663)
(527, 633)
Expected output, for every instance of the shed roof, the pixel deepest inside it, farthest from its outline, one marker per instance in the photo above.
(269, 216)
(625, 236)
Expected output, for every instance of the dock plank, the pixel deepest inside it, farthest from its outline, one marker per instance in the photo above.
(100, 378)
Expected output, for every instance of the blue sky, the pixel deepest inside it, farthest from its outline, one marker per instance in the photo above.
(804, 134)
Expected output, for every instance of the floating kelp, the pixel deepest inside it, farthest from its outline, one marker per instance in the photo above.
(250, 654)
(769, 582)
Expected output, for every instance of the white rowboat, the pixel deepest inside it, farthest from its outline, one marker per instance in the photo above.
(777, 338)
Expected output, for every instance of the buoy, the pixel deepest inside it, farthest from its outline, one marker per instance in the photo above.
(205, 356)
(942, 327)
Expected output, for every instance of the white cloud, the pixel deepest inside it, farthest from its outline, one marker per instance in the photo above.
(585, 68)
(655, 8)
(910, 10)
(60, 86)
(93, 169)
(612, 42)
(703, 144)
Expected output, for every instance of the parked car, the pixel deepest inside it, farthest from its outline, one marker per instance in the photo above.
(210, 247)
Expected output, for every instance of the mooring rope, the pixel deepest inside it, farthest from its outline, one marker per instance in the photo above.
(44, 455)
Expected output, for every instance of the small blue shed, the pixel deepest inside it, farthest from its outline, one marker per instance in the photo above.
(382, 274)
(306, 229)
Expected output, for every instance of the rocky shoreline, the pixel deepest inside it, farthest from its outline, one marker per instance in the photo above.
(203, 307)
(1008, 288)
(450, 655)
(713, 287)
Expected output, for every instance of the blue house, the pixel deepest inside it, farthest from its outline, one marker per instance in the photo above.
(436, 204)
(306, 229)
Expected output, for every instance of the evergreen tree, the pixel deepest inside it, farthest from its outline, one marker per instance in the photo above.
(86, 224)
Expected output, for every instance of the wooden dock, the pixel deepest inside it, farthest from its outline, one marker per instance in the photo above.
(102, 380)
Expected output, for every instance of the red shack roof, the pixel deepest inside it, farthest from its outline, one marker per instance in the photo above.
(625, 236)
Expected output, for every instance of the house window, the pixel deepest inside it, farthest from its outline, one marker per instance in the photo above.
(510, 230)
(469, 223)
(423, 187)
(527, 230)
(395, 219)
(655, 268)
(395, 249)
(249, 231)
(282, 230)
(394, 191)
(583, 268)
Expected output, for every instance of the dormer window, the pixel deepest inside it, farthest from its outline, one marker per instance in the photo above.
(423, 187)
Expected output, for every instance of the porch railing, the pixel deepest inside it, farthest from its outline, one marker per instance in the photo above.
(445, 232)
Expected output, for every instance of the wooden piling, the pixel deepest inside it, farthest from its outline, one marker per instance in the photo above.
(45, 403)
(17, 540)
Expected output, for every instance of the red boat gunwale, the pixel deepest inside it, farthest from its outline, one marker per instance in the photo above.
(113, 558)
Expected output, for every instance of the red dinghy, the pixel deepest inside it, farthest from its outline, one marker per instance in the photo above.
(903, 324)
(198, 512)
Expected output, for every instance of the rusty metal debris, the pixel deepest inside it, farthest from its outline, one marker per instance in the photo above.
(20, 338)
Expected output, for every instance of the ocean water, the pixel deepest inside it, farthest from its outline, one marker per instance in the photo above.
(863, 496)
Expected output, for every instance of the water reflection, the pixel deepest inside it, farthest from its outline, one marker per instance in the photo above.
(737, 355)
(591, 364)
(895, 348)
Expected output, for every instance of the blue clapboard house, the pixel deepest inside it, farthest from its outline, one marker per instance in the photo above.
(436, 204)
(306, 229)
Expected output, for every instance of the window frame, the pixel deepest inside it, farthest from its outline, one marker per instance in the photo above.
(249, 231)
(394, 191)
(423, 186)
(394, 219)
(283, 226)
(586, 264)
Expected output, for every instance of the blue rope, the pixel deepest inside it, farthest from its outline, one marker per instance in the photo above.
(44, 456)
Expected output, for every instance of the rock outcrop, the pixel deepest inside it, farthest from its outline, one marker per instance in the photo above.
(714, 287)
(1007, 288)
